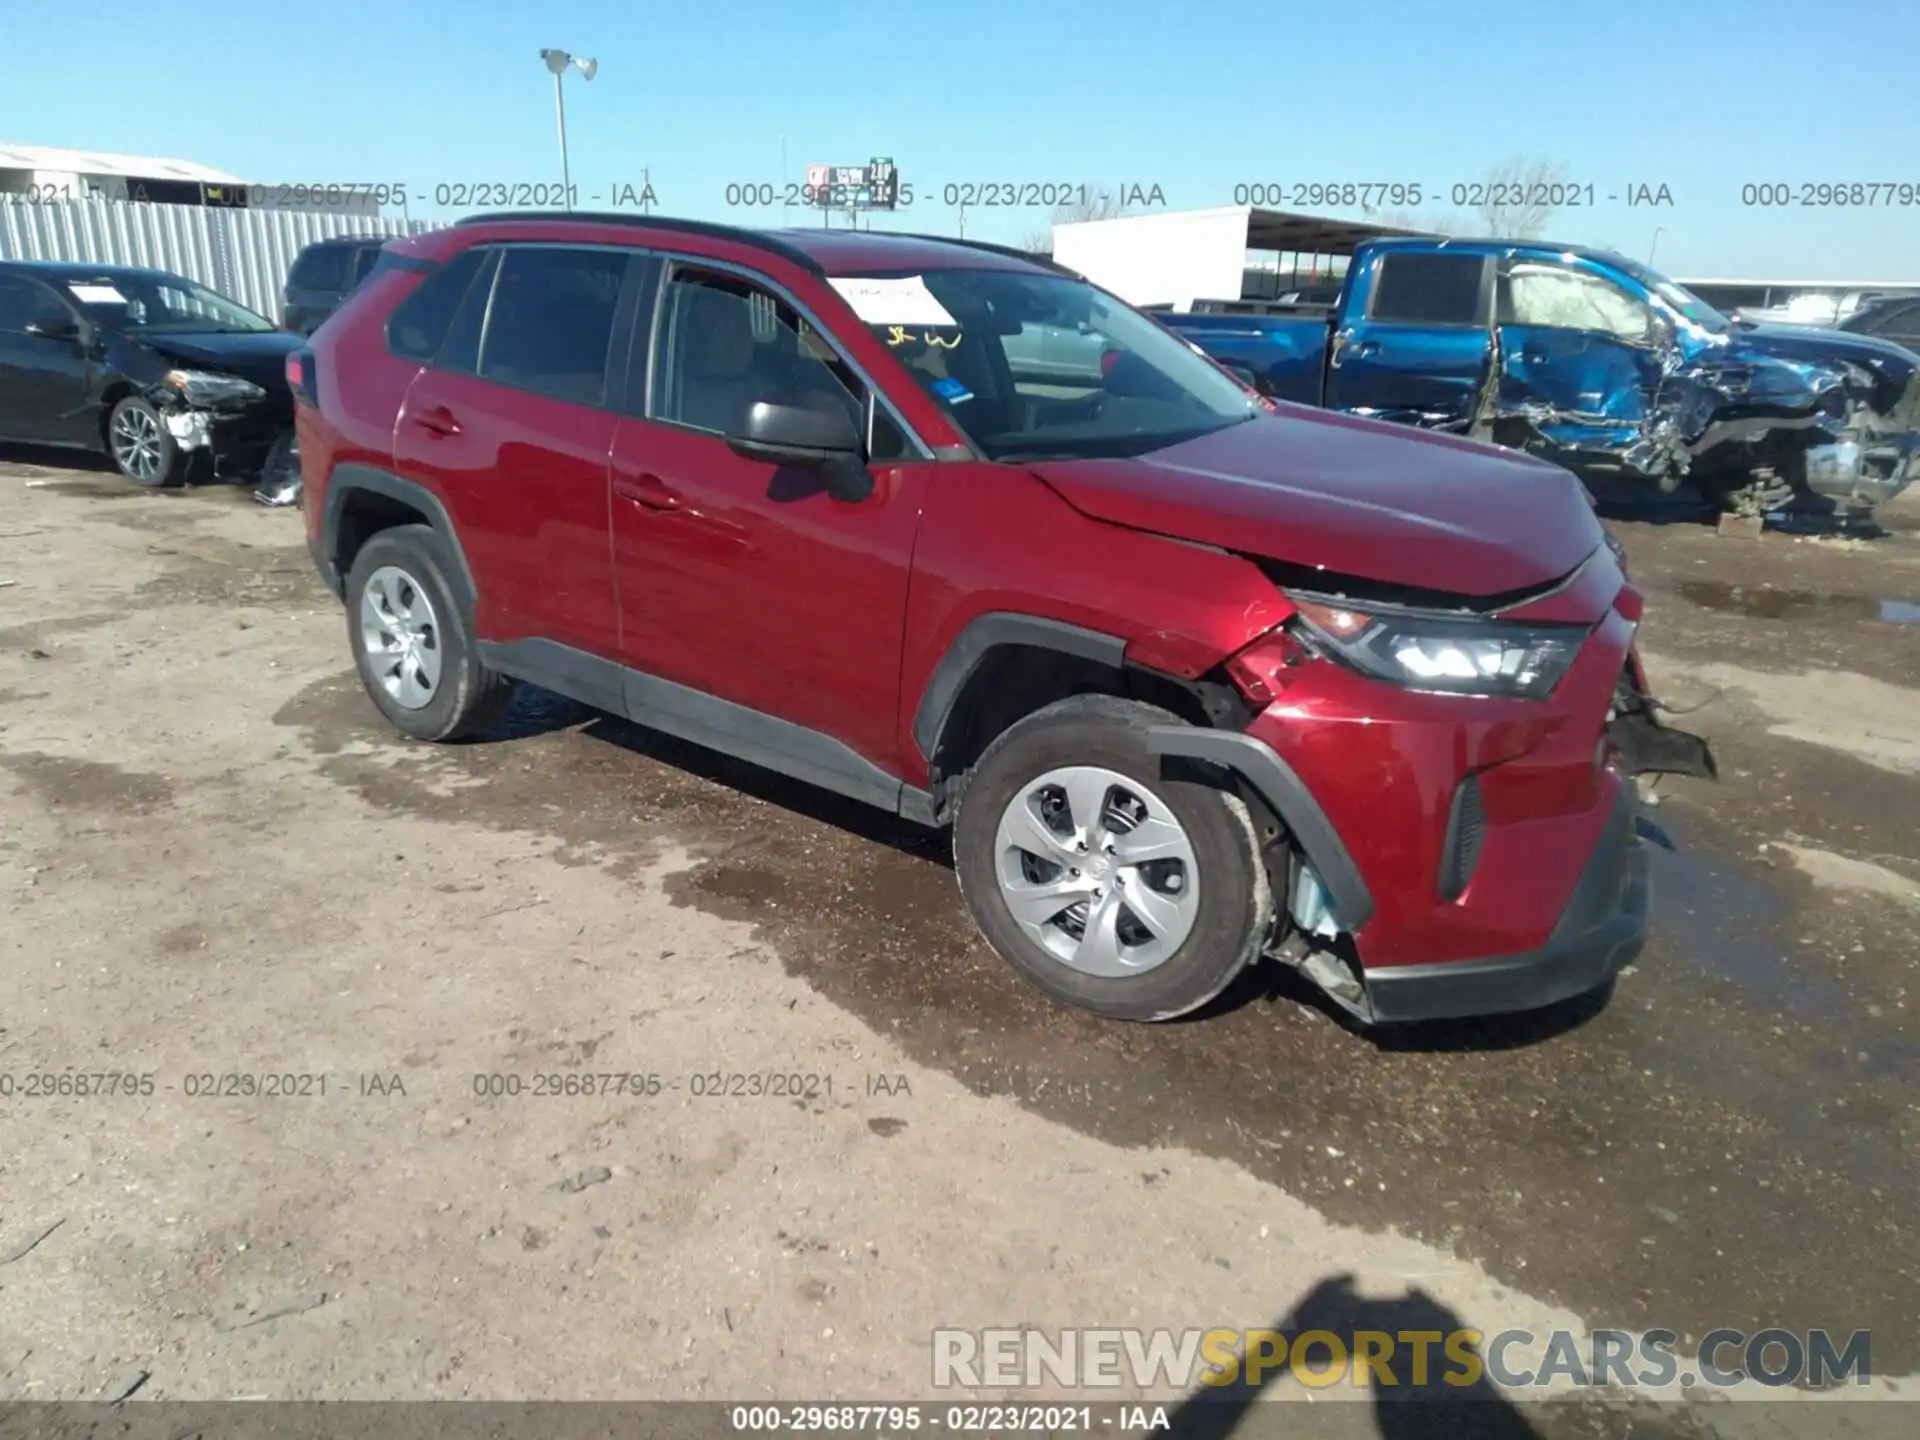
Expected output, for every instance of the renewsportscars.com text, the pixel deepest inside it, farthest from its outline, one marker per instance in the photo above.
(1113, 1358)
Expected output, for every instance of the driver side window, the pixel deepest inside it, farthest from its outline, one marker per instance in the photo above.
(1557, 297)
(23, 302)
(727, 343)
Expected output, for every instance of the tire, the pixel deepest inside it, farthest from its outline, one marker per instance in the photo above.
(1228, 903)
(1746, 492)
(141, 448)
(423, 632)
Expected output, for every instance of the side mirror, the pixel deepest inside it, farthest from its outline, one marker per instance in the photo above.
(804, 438)
(55, 327)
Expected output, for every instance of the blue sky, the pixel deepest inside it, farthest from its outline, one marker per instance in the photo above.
(1701, 96)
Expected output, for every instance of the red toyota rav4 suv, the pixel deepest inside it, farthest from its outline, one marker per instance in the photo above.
(948, 529)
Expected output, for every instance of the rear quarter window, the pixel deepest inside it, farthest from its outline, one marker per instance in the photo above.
(419, 322)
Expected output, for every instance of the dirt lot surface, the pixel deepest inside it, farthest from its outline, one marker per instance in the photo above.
(216, 861)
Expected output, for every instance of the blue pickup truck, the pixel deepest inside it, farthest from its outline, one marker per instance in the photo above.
(1591, 360)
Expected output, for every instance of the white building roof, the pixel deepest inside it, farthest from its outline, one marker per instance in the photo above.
(102, 162)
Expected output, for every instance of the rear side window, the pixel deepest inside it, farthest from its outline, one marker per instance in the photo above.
(1414, 288)
(551, 319)
(321, 267)
(419, 323)
(364, 261)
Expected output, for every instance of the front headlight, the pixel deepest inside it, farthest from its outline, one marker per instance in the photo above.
(204, 387)
(1451, 654)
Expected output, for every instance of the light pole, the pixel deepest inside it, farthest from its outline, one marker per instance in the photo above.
(558, 62)
(1658, 231)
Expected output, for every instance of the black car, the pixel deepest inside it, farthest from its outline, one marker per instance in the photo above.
(171, 380)
(323, 275)
(1895, 318)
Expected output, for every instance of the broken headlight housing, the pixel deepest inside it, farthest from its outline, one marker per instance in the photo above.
(1448, 654)
(205, 387)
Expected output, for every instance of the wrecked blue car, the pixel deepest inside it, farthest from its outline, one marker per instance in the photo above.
(1591, 360)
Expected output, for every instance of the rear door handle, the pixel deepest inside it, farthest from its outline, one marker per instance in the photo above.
(439, 420)
(648, 490)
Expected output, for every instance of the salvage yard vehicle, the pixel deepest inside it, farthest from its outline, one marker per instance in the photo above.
(322, 275)
(1190, 680)
(1896, 318)
(171, 380)
(1596, 362)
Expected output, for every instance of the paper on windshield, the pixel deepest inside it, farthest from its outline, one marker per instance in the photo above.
(897, 300)
(97, 295)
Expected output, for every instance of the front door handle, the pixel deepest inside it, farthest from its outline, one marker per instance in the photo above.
(648, 490)
(1367, 347)
(438, 419)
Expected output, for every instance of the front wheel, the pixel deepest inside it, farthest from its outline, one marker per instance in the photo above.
(143, 450)
(1109, 885)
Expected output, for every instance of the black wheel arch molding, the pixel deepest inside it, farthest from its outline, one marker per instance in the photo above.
(1286, 794)
(977, 640)
(352, 479)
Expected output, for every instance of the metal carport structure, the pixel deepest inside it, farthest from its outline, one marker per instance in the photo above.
(1176, 257)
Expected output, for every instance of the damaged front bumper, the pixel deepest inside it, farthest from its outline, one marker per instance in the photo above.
(1864, 472)
(1646, 746)
(1600, 932)
(222, 440)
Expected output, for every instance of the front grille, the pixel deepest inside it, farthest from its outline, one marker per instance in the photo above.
(1466, 828)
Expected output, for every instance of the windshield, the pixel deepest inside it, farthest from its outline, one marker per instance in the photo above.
(1677, 296)
(1043, 367)
(124, 300)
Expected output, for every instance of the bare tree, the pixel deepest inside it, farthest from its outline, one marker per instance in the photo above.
(1518, 197)
(1427, 221)
(1095, 202)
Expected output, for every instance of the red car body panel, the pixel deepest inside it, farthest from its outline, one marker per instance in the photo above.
(662, 549)
(1353, 497)
(726, 583)
(525, 479)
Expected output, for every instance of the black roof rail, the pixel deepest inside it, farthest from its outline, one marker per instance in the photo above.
(759, 239)
(1045, 262)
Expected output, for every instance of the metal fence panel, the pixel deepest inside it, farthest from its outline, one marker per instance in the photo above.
(242, 253)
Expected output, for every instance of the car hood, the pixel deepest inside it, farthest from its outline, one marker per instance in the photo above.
(1353, 497)
(259, 357)
(1810, 343)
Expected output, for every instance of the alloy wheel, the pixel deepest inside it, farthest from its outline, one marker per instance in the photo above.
(136, 443)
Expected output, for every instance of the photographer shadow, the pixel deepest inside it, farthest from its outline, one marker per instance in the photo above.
(1413, 1407)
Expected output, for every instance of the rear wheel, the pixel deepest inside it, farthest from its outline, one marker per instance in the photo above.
(412, 643)
(1109, 885)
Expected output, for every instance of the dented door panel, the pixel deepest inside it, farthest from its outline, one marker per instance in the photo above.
(1583, 394)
